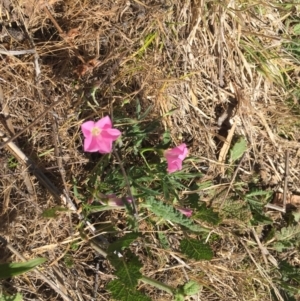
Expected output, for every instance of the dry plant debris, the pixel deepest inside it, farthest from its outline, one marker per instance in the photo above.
(213, 71)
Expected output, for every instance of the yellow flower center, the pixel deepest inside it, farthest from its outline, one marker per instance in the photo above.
(95, 131)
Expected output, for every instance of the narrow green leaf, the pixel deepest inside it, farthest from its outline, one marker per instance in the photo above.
(196, 249)
(259, 218)
(52, 212)
(254, 193)
(165, 140)
(165, 188)
(8, 270)
(144, 189)
(186, 176)
(207, 214)
(121, 292)
(238, 149)
(168, 212)
(146, 113)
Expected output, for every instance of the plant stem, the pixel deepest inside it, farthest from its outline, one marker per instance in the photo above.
(158, 285)
(134, 205)
(149, 149)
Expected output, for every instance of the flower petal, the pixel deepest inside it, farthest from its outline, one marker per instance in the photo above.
(174, 165)
(104, 145)
(184, 151)
(175, 156)
(87, 127)
(112, 134)
(90, 144)
(104, 123)
(185, 211)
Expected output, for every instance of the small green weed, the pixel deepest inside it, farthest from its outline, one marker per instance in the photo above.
(154, 178)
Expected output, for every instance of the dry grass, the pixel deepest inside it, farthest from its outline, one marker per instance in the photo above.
(211, 61)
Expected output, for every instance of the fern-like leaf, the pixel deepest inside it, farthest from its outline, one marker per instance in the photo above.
(127, 267)
(196, 249)
(288, 233)
(168, 212)
(122, 242)
(208, 215)
(121, 292)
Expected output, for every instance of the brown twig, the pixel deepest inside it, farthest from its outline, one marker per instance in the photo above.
(286, 175)
(17, 52)
(62, 34)
(233, 179)
(9, 126)
(262, 273)
(31, 124)
(58, 196)
(134, 206)
(263, 250)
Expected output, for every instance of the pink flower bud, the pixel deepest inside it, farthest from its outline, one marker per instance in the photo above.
(185, 211)
(113, 200)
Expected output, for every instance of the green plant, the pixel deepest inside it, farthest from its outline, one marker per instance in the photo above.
(8, 270)
(142, 176)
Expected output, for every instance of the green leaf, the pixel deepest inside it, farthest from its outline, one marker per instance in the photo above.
(265, 193)
(52, 212)
(8, 270)
(15, 297)
(179, 297)
(296, 216)
(279, 246)
(289, 272)
(121, 292)
(196, 249)
(168, 212)
(144, 189)
(122, 242)
(165, 140)
(127, 267)
(207, 214)
(259, 218)
(191, 288)
(146, 113)
(238, 149)
(297, 29)
(165, 188)
(288, 233)
(163, 241)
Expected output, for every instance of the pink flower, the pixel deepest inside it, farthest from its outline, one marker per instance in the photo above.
(185, 211)
(113, 201)
(175, 156)
(99, 135)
